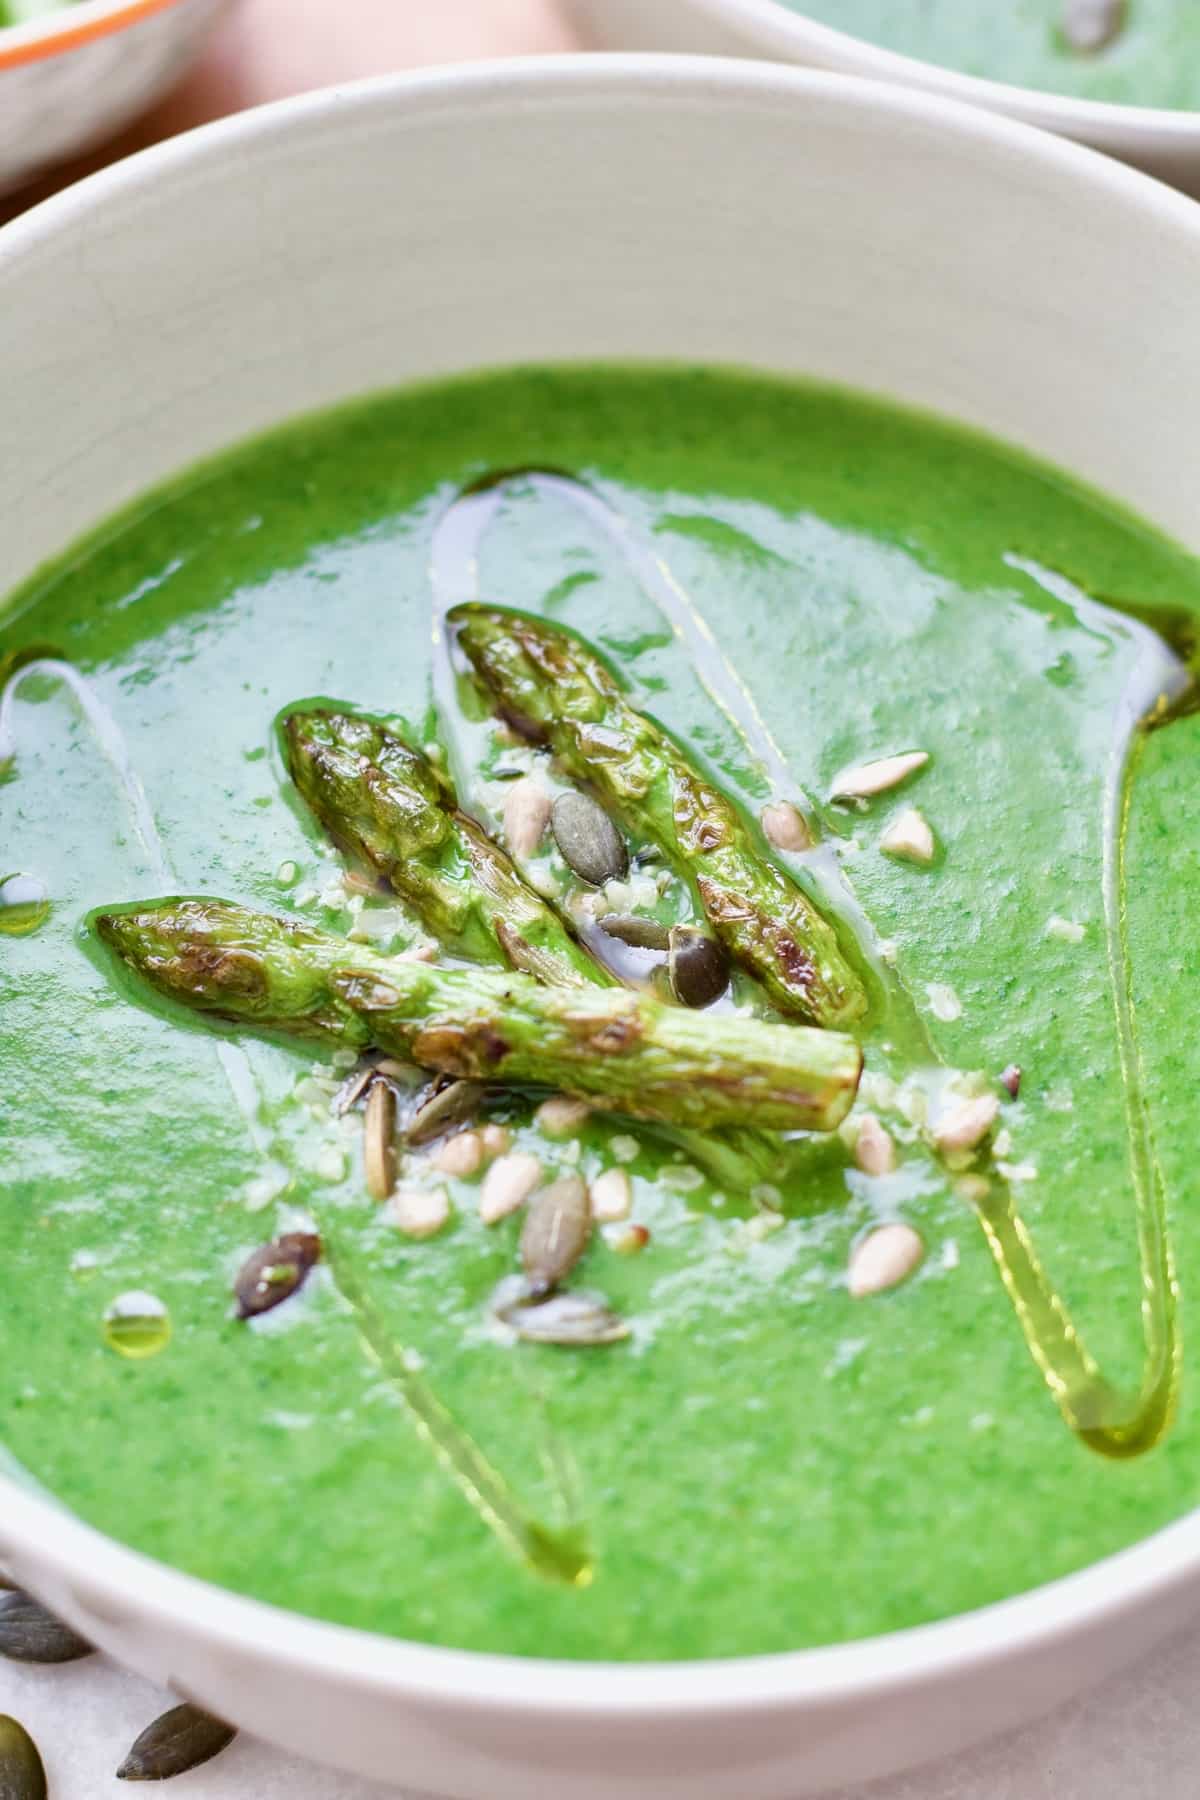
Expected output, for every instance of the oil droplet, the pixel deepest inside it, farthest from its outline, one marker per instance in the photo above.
(24, 904)
(137, 1325)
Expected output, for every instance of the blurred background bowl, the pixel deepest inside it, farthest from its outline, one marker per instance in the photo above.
(1166, 144)
(77, 75)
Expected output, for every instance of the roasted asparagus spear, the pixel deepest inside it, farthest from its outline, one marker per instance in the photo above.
(549, 686)
(621, 1050)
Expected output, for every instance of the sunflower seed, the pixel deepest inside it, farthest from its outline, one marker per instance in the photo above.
(1091, 25)
(590, 843)
(28, 1633)
(786, 826)
(441, 1106)
(883, 1259)
(641, 934)
(177, 1741)
(275, 1272)
(910, 838)
(527, 808)
(508, 1184)
(22, 1773)
(379, 1140)
(555, 1234)
(865, 780)
(698, 965)
(576, 1319)
(460, 1155)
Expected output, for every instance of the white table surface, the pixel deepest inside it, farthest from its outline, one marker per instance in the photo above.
(1137, 1738)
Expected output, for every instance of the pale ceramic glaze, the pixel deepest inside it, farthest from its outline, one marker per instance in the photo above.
(591, 208)
(73, 78)
(1166, 144)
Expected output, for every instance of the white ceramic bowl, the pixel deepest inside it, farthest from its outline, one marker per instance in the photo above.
(584, 208)
(1166, 144)
(70, 79)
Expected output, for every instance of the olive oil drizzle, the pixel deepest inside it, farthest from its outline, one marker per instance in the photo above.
(558, 1554)
(1110, 1420)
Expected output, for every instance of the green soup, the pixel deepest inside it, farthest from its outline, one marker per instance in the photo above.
(768, 1461)
(1143, 53)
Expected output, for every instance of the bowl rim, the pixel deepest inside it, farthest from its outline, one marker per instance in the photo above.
(792, 34)
(57, 32)
(86, 1562)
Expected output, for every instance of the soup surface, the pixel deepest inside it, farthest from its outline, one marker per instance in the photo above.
(767, 1460)
(1133, 52)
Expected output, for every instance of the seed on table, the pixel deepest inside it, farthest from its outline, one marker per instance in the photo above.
(508, 1184)
(590, 843)
(786, 827)
(460, 1155)
(379, 1140)
(274, 1272)
(883, 1259)
(22, 1772)
(419, 1212)
(31, 1634)
(555, 1235)
(561, 1116)
(966, 1124)
(527, 808)
(874, 1147)
(177, 1741)
(910, 839)
(865, 780)
(612, 1196)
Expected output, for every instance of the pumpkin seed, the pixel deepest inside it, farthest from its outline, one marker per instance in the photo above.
(590, 843)
(177, 1741)
(641, 934)
(22, 1774)
(442, 1105)
(275, 1272)
(698, 966)
(555, 1235)
(379, 1140)
(575, 1319)
(28, 1633)
(1091, 25)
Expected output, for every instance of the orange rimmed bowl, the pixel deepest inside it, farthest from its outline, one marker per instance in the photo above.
(73, 77)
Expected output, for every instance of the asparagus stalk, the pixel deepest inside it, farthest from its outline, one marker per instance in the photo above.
(552, 688)
(387, 805)
(621, 1050)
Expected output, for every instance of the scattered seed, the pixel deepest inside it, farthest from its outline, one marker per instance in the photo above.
(1091, 25)
(527, 808)
(508, 1184)
(642, 934)
(590, 843)
(440, 1107)
(767, 1196)
(973, 1188)
(786, 826)
(460, 1155)
(966, 1124)
(1068, 931)
(379, 1140)
(275, 1272)
(573, 1319)
(874, 1148)
(883, 1259)
(625, 1149)
(555, 1235)
(30, 1634)
(22, 1772)
(944, 1003)
(179, 1740)
(561, 1116)
(612, 1196)
(909, 838)
(627, 1240)
(1011, 1079)
(357, 1082)
(698, 965)
(495, 1139)
(419, 1212)
(865, 780)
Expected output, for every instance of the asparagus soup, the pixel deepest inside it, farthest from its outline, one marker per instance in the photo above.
(594, 1002)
